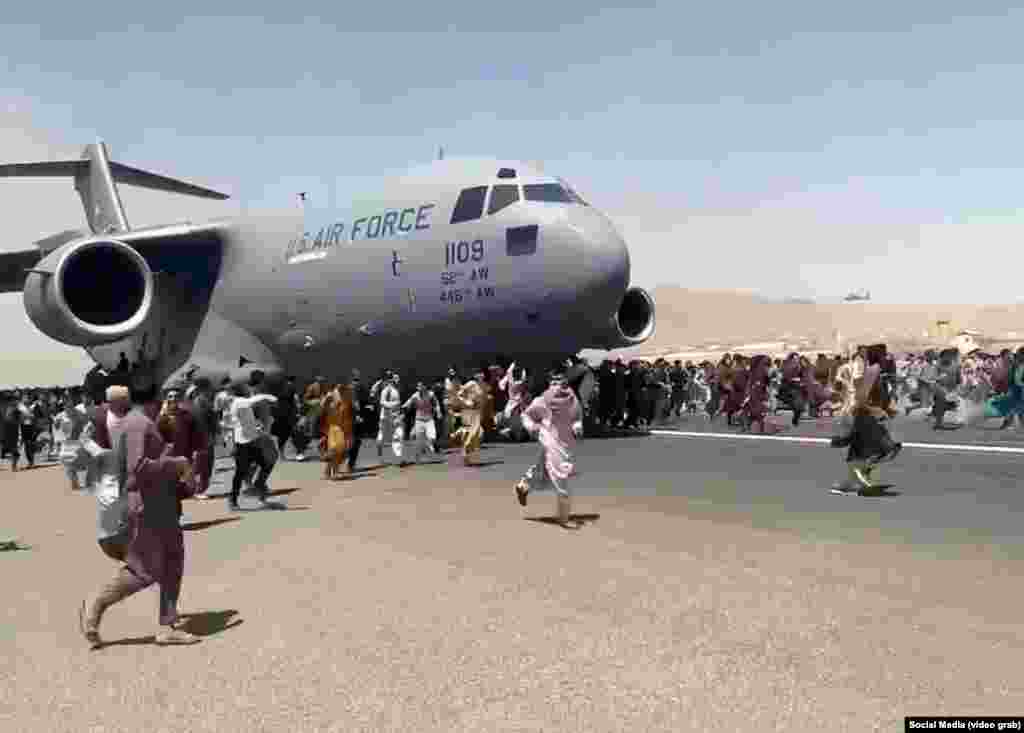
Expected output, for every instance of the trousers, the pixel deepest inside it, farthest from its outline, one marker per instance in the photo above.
(424, 433)
(537, 478)
(134, 577)
(392, 425)
(246, 455)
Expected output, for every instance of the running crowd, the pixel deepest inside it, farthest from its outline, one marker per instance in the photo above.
(746, 389)
(141, 453)
(614, 395)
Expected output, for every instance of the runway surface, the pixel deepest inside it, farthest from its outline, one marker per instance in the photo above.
(715, 585)
(949, 486)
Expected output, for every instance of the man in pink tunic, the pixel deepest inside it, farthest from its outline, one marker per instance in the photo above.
(557, 420)
(148, 481)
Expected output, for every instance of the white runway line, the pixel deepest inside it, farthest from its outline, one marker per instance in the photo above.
(826, 441)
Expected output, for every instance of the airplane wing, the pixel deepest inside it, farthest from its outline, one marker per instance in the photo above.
(14, 267)
(163, 247)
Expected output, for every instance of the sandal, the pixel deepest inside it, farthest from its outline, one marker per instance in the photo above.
(521, 492)
(93, 637)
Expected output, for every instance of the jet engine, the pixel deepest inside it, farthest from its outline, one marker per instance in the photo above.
(90, 292)
(631, 324)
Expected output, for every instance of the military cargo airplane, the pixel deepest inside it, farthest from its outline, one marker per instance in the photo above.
(449, 264)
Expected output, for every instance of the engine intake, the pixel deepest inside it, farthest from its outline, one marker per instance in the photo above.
(90, 292)
(631, 324)
(635, 317)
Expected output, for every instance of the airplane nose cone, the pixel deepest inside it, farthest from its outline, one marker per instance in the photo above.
(604, 265)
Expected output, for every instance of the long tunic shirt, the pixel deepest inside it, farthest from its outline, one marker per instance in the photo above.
(553, 417)
(470, 399)
(338, 424)
(516, 390)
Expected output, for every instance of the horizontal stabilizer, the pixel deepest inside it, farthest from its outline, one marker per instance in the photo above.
(119, 172)
(96, 178)
(14, 267)
(144, 179)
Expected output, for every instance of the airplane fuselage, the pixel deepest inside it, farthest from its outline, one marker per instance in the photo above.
(452, 263)
(392, 282)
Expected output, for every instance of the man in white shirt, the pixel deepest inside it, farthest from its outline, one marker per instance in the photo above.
(247, 432)
(222, 409)
(112, 506)
(265, 416)
(391, 420)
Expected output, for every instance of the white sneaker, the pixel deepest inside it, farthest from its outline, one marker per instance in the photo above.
(174, 637)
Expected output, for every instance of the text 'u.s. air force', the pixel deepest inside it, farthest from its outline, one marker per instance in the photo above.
(393, 223)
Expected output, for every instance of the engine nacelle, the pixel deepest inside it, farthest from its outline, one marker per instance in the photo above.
(631, 324)
(90, 292)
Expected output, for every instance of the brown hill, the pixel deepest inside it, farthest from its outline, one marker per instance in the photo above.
(694, 320)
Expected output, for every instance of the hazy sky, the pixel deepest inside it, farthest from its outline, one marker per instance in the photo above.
(797, 149)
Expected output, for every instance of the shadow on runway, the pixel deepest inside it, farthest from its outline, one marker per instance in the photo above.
(210, 623)
(884, 491)
(579, 519)
(356, 475)
(201, 624)
(480, 464)
(271, 506)
(197, 526)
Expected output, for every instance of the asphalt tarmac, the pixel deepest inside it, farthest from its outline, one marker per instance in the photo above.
(963, 486)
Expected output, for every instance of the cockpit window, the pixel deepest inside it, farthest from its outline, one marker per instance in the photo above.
(502, 196)
(550, 192)
(572, 193)
(521, 241)
(470, 204)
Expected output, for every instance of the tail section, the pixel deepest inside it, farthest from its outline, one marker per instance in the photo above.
(95, 184)
(96, 178)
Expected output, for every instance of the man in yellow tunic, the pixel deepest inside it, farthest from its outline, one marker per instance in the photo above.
(338, 423)
(312, 419)
(452, 408)
(470, 399)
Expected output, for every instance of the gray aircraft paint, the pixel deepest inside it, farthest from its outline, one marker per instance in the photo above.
(372, 297)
